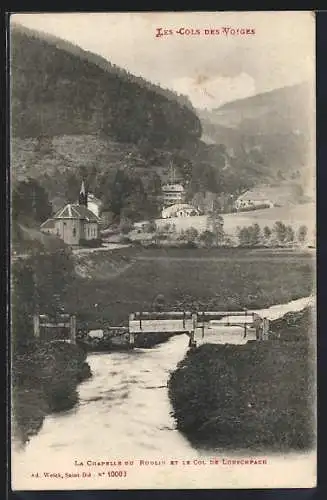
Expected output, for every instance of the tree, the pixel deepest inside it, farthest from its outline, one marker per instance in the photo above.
(30, 199)
(191, 234)
(153, 203)
(267, 232)
(290, 235)
(43, 283)
(166, 228)
(72, 187)
(126, 226)
(208, 238)
(249, 236)
(159, 302)
(118, 191)
(255, 234)
(281, 231)
(302, 233)
(216, 223)
(151, 227)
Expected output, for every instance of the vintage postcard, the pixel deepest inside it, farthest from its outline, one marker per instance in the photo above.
(163, 250)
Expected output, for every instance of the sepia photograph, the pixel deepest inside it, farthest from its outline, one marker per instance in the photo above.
(163, 250)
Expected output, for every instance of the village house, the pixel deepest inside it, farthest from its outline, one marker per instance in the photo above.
(94, 204)
(179, 210)
(253, 200)
(74, 222)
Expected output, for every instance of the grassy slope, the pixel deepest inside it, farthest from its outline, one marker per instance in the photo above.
(207, 279)
(256, 396)
(294, 215)
(45, 377)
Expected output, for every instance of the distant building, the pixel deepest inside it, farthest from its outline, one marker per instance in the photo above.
(74, 222)
(172, 194)
(252, 200)
(94, 204)
(179, 210)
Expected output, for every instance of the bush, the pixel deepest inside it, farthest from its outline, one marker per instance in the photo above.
(188, 244)
(125, 240)
(91, 243)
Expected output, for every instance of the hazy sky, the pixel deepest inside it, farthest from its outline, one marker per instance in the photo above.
(212, 69)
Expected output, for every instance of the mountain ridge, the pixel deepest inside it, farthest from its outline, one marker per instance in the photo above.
(74, 114)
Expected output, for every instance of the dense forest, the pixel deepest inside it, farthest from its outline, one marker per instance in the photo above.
(57, 91)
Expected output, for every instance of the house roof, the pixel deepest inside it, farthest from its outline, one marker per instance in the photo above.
(173, 187)
(75, 211)
(255, 195)
(48, 224)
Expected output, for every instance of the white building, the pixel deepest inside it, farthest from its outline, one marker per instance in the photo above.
(179, 210)
(172, 194)
(94, 204)
(254, 200)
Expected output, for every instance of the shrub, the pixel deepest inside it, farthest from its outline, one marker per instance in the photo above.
(91, 243)
(191, 234)
(302, 233)
(207, 238)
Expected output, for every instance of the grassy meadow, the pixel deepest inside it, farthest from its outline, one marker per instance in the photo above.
(294, 215)
(129, 280)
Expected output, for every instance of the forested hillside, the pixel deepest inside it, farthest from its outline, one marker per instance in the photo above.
(59, 90)
(276, 128)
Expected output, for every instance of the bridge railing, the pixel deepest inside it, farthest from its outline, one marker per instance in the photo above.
(45, 323)
(188, 322)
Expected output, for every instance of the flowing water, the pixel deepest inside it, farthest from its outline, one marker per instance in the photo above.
(124, 409)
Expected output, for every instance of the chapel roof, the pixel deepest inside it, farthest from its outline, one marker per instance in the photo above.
(75, 211)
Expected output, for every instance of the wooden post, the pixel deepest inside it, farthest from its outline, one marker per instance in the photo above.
(131, 339)
(140, 320)
(184, 319)
(36, 322)
(245, 325)
(265, 328)
(194, 324)
(256, 324)
(202, 324)
(72, 330)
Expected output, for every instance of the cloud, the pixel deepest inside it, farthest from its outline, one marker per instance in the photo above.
(212, 92)
(280, 53)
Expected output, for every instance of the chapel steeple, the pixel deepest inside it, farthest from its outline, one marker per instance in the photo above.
(82, 199)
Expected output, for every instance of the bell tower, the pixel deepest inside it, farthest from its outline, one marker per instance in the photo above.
(82, 199)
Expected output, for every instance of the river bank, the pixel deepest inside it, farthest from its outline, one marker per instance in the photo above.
(256, 396)
(44, 380)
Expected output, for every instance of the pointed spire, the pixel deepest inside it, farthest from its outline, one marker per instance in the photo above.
(82, 191)
(82, 200)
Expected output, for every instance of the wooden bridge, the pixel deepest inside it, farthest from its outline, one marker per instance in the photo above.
(200, 325)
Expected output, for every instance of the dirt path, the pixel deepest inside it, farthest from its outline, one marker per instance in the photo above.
(258, 258)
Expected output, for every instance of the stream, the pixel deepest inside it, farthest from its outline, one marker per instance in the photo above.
(123, 410)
